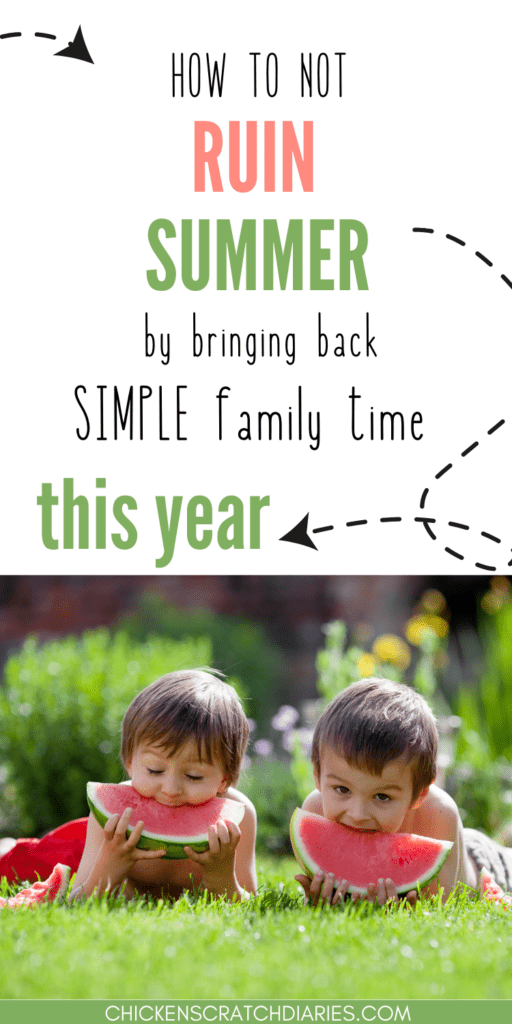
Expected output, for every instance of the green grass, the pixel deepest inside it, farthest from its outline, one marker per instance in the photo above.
(271, 946)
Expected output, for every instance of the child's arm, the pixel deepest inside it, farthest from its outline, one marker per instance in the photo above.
(439, 818)
(245, 860)
(109, 856)
(228, 865)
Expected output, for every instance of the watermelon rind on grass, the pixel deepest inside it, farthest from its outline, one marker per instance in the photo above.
(362, 857)
(489, 890)
(487, 887)
(52, 890)
(171, 828)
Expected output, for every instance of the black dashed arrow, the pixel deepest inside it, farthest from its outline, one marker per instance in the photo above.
(76, 49)
(299, 534)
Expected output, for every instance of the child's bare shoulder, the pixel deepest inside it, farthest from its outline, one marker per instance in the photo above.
(245, 853)
(438, 816)
(313, 802)
(250, 810)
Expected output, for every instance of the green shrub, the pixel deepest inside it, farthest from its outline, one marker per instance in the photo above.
(481, 778)
(487, 710)
(240, 648)
(61, 710)
(270, 785)
(481, 792)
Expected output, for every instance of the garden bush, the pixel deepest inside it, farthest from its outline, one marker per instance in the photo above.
(482, 793)
(61, 709)
(239, 647)
(487, 710)
(480, 780)
(270, 785)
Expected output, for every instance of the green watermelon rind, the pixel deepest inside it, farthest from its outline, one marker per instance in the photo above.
(487, 884)
(65, 872)
(150, 840)
(309, 866)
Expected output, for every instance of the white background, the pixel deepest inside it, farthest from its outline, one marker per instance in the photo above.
(91, 154)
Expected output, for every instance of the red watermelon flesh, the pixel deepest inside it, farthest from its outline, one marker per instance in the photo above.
(54, 888)
(169, 827)
(488, 889)
(363, 857)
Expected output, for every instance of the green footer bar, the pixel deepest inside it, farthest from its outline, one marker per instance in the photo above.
(254, 1011)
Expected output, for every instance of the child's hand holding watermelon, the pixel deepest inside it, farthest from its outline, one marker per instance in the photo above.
(218, 862)
(324, 887)
(116, 857)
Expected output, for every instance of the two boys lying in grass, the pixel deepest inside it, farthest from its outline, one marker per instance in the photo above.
(374, 761)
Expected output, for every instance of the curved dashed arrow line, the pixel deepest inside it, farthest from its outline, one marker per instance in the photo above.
(459, 526)
(76, 48)
(299, 534)
(459, 241)
(426, 521)
(39, 35)
(467, 451)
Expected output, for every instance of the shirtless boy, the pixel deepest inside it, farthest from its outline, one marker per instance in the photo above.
(374, 762)
(184, 738)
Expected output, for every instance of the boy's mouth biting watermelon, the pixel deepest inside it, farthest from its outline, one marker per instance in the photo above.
(167, 827)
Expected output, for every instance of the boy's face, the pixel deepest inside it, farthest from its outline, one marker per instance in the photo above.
(178, 778)
(359, 799)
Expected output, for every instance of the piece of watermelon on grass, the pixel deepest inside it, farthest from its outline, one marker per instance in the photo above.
(488, 889)
(52, 889)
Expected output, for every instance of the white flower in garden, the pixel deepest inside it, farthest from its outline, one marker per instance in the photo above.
(264, 748)
(285, 718)
(302, 736)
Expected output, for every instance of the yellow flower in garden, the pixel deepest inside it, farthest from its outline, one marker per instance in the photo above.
(391, 648)
(416, 627)
(366, 666)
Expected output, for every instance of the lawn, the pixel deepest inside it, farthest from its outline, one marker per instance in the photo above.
(271, 946)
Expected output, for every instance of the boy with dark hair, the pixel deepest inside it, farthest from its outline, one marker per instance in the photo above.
(184, 738)
(374, 762)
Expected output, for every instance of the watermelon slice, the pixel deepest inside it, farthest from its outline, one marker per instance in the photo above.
(169, 827)
(54, 888)
(488, 889)
(363, 857)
